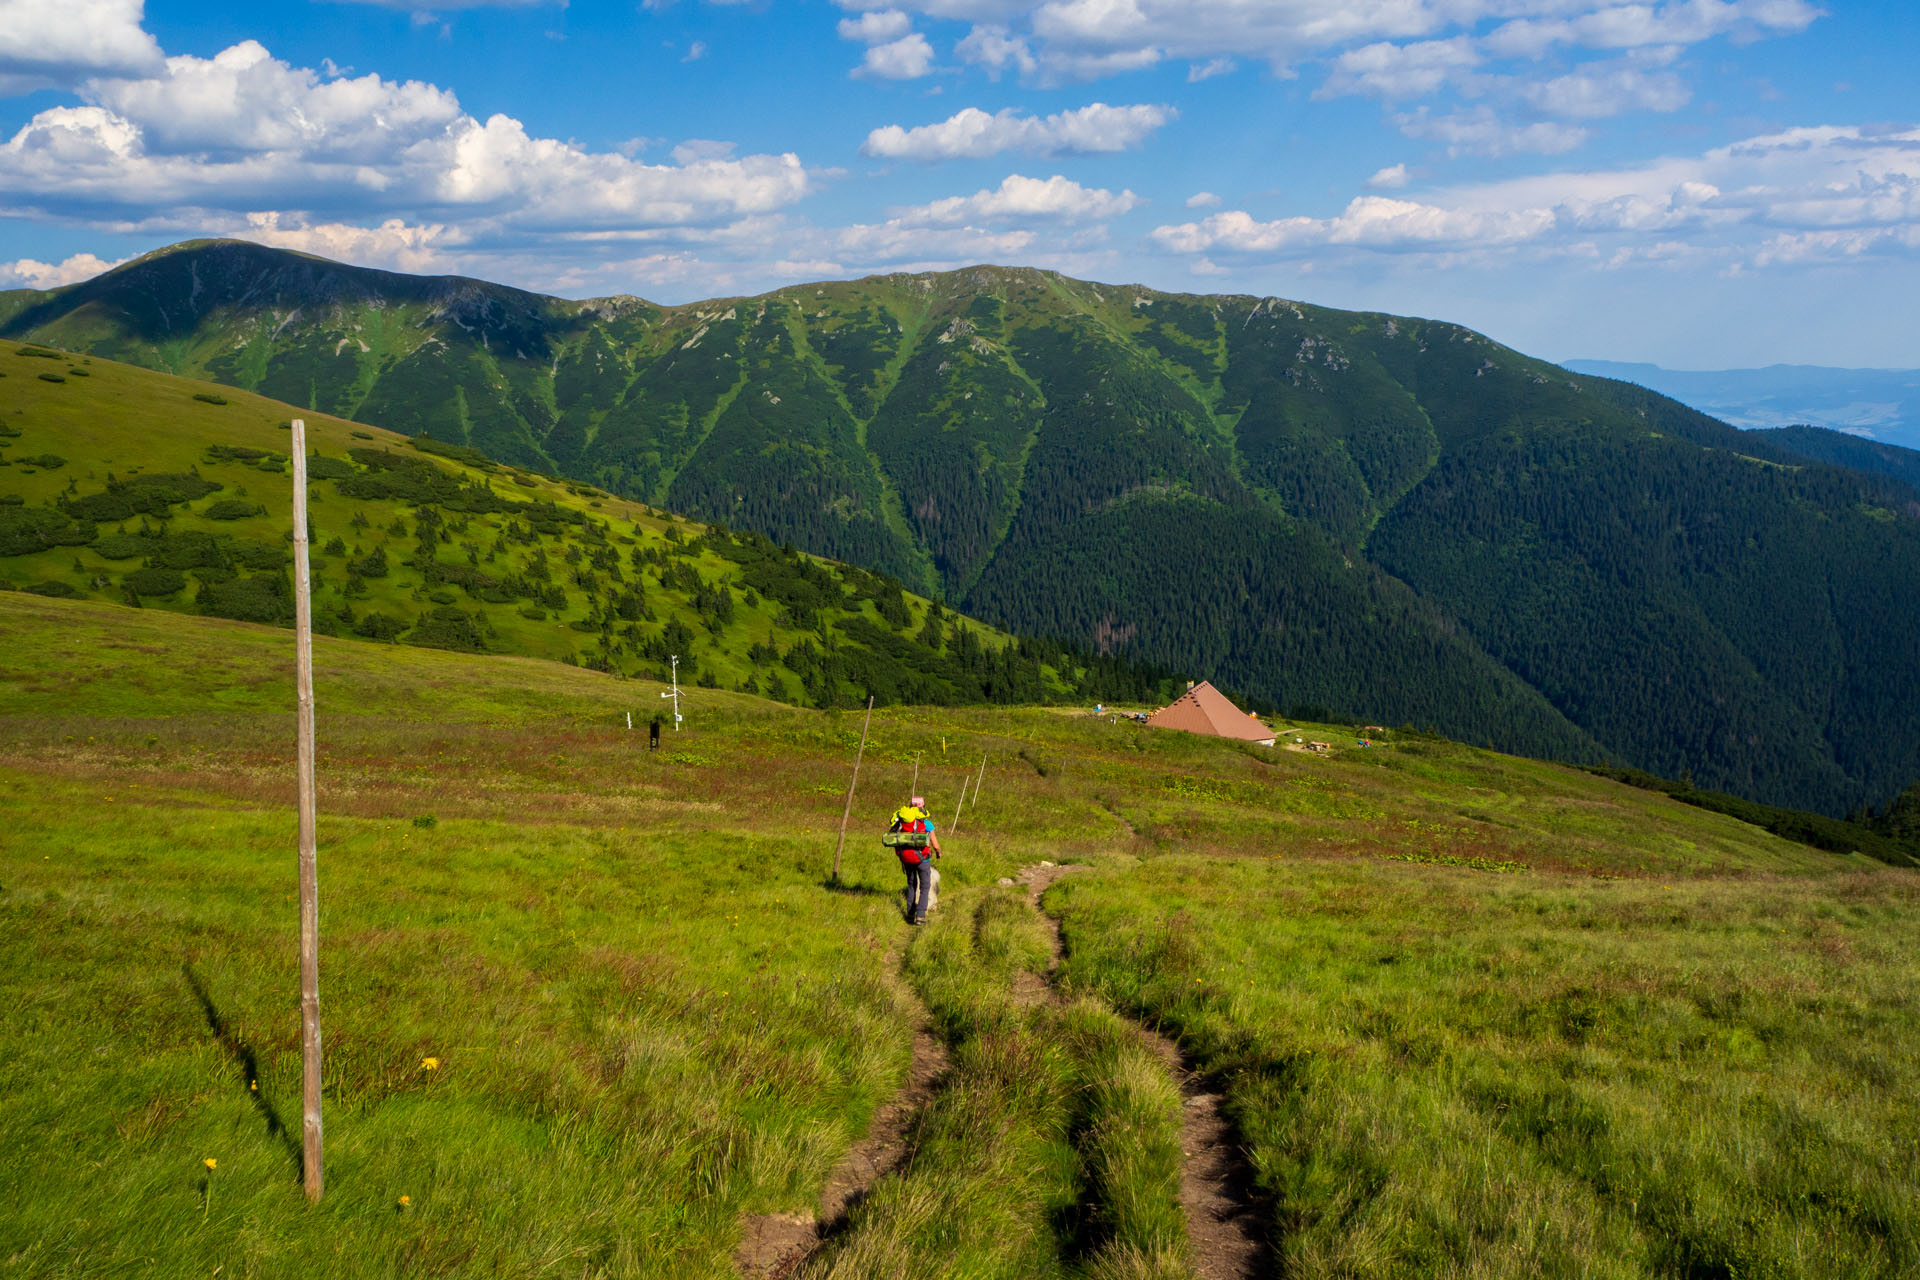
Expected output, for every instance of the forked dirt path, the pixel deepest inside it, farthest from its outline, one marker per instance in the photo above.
(776, 1245)
(1216, 1182)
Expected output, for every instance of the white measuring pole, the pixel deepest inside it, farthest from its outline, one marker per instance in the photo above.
(310, 1132)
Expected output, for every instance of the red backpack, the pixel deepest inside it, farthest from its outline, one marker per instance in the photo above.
(912, 851)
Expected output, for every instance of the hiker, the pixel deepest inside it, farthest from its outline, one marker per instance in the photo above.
(916, 856)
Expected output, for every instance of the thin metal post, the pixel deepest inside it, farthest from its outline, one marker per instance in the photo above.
(311, 1165)
(847, 812)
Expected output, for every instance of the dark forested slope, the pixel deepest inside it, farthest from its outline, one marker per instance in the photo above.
(1391, 517)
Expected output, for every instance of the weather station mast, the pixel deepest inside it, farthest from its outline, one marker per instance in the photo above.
(675, 694)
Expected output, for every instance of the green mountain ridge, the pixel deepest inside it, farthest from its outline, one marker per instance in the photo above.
(143, 488)
(1393, 517)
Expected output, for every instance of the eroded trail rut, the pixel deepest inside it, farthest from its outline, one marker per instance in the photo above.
(777, 1245)
(1215, 1180)
(1216, 1183)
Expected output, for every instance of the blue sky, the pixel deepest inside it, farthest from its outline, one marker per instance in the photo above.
(1696, 183)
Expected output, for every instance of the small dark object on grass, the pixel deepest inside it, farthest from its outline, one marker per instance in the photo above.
(79, 373)
(207, 397)
(52, 377)
(45, 461)
(363, 435)
(40, 352)
(426, 820)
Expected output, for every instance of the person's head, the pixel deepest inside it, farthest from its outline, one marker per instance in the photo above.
(919, 802)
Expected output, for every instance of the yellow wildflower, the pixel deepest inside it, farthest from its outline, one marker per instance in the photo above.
(210, 1162)
(405, 1201)
(429, 1064)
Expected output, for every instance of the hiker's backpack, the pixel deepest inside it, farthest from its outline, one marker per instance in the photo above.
(904, 840)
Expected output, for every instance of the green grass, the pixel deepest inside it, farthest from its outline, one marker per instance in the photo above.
(1449, 1072)
(1053, 1149)
(1475, 1015)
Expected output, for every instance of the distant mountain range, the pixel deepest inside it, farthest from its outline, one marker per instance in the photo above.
(1331, 511)
(1880, 404)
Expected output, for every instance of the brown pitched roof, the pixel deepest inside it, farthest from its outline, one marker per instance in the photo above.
(1204, 709)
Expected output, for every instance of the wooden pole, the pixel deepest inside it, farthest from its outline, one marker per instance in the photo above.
(977, 781)
(847, 812)
(956, 808)
(914, 790)
(310, 1147)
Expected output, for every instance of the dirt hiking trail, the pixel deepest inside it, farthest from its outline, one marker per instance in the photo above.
(1216, 1182)
(776, 1245)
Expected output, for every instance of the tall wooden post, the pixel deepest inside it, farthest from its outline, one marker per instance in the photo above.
(914, 789)
(310, 1149)
(982, 778)
(955, 830)
(847, 812)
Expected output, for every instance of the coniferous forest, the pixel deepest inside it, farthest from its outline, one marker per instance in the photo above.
(1356, 514)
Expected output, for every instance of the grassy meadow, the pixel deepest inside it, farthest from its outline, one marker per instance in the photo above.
(586, 1005)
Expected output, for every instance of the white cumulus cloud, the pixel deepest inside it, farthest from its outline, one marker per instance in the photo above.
(1608, 90)
(973, 133)
(243, 131)
(1630, 26)
(907, 58)
(1019, 197)
(27, 273)
(52, 46)
(393, 244)
(1480, 131)
(1370, 221)
(992, 46)
(1827, 193)
(1543, 64)
(1385, 70)
(877, 27)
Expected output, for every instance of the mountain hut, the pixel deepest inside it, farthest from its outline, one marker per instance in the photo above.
(1204, 709)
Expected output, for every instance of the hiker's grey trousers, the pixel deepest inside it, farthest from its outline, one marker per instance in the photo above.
(919, 887)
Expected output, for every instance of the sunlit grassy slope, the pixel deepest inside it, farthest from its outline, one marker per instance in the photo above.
(1476, 1015)
(123, 484)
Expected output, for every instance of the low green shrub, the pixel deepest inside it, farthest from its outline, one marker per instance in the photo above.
(259, 598)
(232, 509)
(154, 581)
(378, 626)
